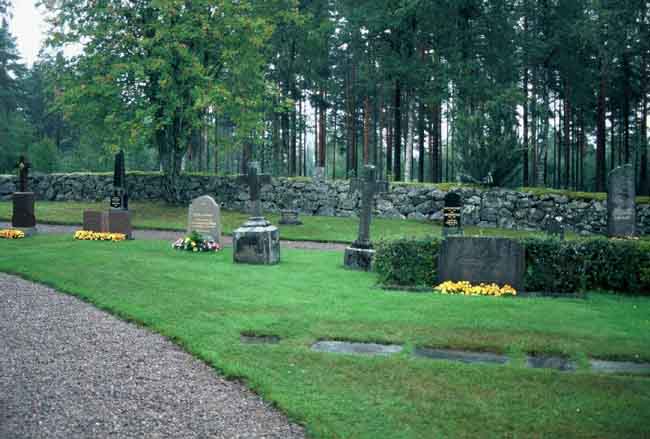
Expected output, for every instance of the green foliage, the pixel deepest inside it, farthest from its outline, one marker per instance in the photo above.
(587, 265)
(408, 261)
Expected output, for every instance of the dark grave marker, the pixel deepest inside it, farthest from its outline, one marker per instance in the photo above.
(621, 202)
(23, 216)
(554, 227)
(94, 221)
(451, 215)
(482, 260)
(120, 196)
(119, 221)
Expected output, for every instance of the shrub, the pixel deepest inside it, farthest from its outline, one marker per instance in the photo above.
(552, 265)
(408, 261)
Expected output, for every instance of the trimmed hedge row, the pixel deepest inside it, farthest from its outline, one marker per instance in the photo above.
(551, 265)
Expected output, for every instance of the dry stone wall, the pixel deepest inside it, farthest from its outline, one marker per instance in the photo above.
(483, 207)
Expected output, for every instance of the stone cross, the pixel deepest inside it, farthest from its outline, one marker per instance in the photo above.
(23, 172)
(369, 187)
(255, 182)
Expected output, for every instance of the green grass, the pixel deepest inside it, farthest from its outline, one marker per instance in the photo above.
(156, 215)
(204, 302)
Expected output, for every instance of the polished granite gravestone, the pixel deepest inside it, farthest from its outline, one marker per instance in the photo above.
(23, 201)
(621, 202)
(554, 227)
(257, 241)
(204, 217)
(95, 221)
(482, 260)
(119, 221)
(452, 224)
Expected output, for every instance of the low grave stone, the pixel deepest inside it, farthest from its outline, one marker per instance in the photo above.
(345, 347)
(482, 260)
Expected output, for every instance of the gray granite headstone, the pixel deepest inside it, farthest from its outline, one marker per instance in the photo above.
(204, 217)
(482, 260)
(621, 203)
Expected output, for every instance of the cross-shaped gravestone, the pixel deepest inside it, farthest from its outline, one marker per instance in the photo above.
(23, 173)
(369, 187)
(255, 182)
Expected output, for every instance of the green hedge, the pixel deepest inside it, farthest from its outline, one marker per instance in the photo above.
(408, 261)
(551, 265)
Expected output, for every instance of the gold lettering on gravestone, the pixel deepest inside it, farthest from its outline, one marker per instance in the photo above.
(451, 216)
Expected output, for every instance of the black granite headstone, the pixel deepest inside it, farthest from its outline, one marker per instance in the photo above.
(482, 260)
(451, 221)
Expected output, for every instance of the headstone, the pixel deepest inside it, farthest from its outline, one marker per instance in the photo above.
(360, 255)
(451, 215)
(257, 241)
(23, 217)
(119, 221)
(621, 202)
(204, 217)
(482, 260)
(554, 227)
(120, 196)
(94, 221)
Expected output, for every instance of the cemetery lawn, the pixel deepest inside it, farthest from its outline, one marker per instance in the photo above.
(157, 215)
(204, 302)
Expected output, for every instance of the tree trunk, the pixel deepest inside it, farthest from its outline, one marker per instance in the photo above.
(567, 138)
(601, 135)
(408, 168)
(366, 130)
(421, 152)
(397, 135)
(322, 147)
(524, 158)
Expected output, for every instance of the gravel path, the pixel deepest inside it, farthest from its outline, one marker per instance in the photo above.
(171, 236)
(68, 370)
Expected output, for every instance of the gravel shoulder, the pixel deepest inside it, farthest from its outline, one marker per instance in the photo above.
(68, 370)
(167, 235)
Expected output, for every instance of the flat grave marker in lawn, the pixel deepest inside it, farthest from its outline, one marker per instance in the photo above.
(451, 215)
(360, 255)
(482, 260)
(346, 347)
(462, 356)
(257, 241)
(621, 202)
(204, 217)
(550, 362)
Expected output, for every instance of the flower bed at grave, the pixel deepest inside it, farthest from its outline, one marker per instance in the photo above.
(11, 234)
(467, 289)
(85, 235)
(195, 243)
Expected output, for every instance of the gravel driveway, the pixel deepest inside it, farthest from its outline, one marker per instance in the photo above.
(68, 370)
